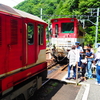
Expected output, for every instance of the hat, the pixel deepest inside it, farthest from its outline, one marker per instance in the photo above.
(77, 42)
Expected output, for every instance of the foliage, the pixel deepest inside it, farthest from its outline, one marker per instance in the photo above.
(65, 8)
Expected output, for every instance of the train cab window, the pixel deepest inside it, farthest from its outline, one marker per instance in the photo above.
(40, 34)
(56, 30)
(30, 33)
(67, 27)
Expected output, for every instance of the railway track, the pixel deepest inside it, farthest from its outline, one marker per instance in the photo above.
(54, 70)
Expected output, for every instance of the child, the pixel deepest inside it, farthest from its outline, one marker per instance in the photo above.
(83, 67)
(88, 53)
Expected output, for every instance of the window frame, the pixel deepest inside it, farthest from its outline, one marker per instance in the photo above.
(40, 34)
(56, 30)
(31, 38)
(67, 31)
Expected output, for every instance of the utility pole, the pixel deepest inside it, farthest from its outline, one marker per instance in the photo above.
(83, 23)
(97, 23)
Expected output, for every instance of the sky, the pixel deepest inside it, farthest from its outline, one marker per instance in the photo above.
(10, 3)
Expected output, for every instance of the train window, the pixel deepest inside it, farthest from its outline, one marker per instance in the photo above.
(67, 27)
(56, 30)
(30, 33)
(40, 33)
(14, 32)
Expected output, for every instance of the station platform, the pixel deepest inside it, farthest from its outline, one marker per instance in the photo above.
(89, 89)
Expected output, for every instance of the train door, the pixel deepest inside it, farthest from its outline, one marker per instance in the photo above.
(3, 52)
(31, 42)
(14, 42)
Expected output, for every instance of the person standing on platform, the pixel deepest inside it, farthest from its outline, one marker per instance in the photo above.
(90, 47)
(89, 57)
(91, 50)
(97, 61)
(73, 59)
(83, 67)
(78, 47)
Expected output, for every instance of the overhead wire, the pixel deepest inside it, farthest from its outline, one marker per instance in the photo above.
(72, 15)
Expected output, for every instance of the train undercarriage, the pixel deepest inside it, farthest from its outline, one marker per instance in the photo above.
(25, 89)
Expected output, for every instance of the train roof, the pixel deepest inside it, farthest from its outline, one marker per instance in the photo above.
(62, 19)
(20, 13)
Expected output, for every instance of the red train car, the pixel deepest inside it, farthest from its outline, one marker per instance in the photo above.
(66, 31)
(22, 53)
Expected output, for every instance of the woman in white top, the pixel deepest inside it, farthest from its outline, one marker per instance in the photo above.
(73, 57)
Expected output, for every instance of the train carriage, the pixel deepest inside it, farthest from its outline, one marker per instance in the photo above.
(65, 32)
(22, 53)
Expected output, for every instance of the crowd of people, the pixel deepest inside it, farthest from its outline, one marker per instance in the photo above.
(83, 59)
